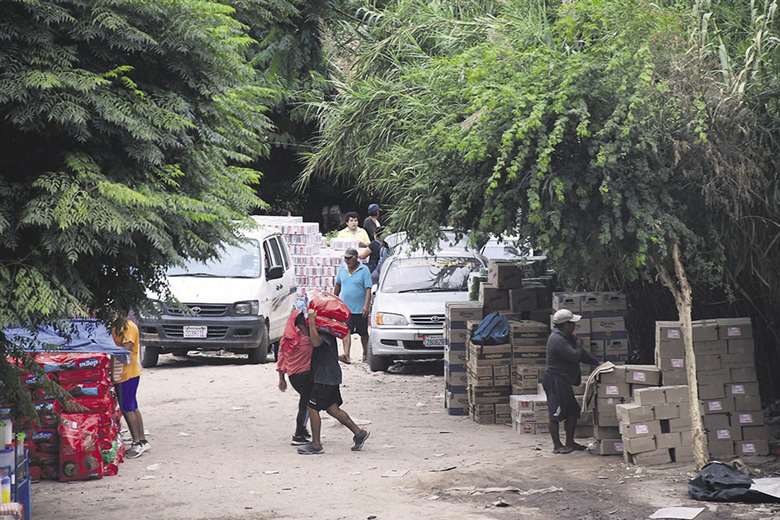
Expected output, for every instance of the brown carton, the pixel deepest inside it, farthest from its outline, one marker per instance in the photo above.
(640, 429)
(505, 274)
(613, 301)
(741, 346)
(705, 330)
(522, 300)
(748, 418)
(668, 440)
(676, 394)
(480, 376)
(618, 375)
(686, 437)
(455, 357)
(715, 406)
(591, 302)
(571, 301)
(652, 458)
(672, 363)
(643, 375)
(735, 389)
(743, 374)
(716, 421)
(721, 449)
(705, 348)
(682, 454)
(713, 377)
(735, 328)
(493, 299)
(608, 325)
(680, 425)
(613, 390)
(722, 434)
(666, 411)
(488, 352)
(752, 448)
(675, 377)
(605, 432)
(708, 362)
(747, 403)
(711, 391)
(616, 346)
(611, 447)
(738, 361)
(464, 311)
(668, 332)
(639, 445)
(755, 433)
(605, 419)
(633, 413)
(650, 396)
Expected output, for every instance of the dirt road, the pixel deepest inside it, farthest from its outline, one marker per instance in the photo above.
(220, 432)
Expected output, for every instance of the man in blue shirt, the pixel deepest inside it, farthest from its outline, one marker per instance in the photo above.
(353, 286)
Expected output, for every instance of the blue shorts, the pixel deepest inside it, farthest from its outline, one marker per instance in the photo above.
(127, 393)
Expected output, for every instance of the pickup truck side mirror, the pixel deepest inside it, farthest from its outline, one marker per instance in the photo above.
(274, 273)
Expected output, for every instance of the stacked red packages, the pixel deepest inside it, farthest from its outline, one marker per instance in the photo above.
(332, 313)
(80, 457)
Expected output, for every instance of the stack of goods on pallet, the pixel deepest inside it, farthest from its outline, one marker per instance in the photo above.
(75, 446)
(614, 388)
(529, 354)
(727, 382)
(530, 414)
(456, 334)
(507, 289)
(488, 369)
(656, 428)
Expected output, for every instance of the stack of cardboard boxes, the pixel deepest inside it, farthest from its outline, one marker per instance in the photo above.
(656, 428)
(488, 374)
(529, 354)
(612, 389)
(728, 386)
(603, 325)
(508, 291)
(456, 333)
(529, 413)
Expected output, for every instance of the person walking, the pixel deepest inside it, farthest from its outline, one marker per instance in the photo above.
(562, 372)
(295, 355)
(372, 224)
(352, 231)
(378, 252)
(326, 396)
(126, 335)
(353, 287)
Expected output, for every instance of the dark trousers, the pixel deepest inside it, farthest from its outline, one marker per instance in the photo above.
(302, 383)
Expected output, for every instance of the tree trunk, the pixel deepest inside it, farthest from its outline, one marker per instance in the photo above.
(683, 298)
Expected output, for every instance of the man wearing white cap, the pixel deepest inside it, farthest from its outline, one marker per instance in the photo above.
(562, 373)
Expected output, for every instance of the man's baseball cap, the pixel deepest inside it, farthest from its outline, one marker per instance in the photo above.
(565, 316)
(350, 253)
(373, 209)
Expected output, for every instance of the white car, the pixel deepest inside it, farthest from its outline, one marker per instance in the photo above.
(239, 302)
(407, 316)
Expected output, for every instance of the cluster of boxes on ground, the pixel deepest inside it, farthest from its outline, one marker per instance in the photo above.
(727, 382)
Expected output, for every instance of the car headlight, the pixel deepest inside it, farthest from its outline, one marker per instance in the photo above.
(150, 309)
(247, 308)
(389, 319)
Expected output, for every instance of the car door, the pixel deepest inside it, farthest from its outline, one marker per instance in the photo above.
(279, 289)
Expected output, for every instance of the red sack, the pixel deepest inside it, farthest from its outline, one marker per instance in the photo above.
(329, 306)
(291, 336)
(74, 368)
(331, 326)
(80, 457)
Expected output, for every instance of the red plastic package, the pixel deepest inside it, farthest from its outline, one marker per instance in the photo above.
(329, 305)
(80, 457)
(332, 326)
(74, 368)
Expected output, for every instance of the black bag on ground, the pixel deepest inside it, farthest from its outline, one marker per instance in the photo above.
(492, 330)
(719, 482)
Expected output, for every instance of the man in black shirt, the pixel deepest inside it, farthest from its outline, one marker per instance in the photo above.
(371, 224)
(325, 395)
(564, 355)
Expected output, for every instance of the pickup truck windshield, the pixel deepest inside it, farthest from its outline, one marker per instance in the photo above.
(429, 274)
(239, 261)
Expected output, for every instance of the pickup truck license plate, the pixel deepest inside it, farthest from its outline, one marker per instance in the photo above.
(434, 341)
(195, 331)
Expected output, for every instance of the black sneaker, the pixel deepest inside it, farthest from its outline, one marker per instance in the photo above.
(360, 439)
(299, 440)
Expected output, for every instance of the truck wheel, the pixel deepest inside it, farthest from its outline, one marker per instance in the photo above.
(259, 355)
(149, 356)
(377, 363)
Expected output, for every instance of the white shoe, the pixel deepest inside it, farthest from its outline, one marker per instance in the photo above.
(138, 449)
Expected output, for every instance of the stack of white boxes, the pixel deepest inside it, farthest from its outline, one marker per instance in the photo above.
(530, 414)
(456, 333)
(728, 386)
(656, 428)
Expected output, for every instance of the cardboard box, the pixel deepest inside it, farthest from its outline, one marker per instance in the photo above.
(489, 395)
(704, 348)
(522, 300)
(613, 301)
(640, 429)
(605, 420)
(721, 449)
(713, 377)
(666, 411)
(651, 458)
(709, 362)
(743, 374)
(643, 375)
(528, 403)
(752, 448)
(668, 440)
(591, 302)
(611, 447)
(456, 400)
(680, 425)
(639, 445)
(650, 396)
(716, 421)
(721, 434)
(716, 406)
(668, 332)
(493, 299)
(704, 330)
(455, 357)
(686, 438)
(464, 311)
(480, 376)
(457, 335)
(735, 328)
(711, 391)
(682, 454)
(741, 346)
(505, 274)
(634, 413)
(676, 394)
(755, 433)
(747, 403)
(675, 377)
(616, 346)
(607, 405)
(457, 378)
(571, 301)
(605, 390)
(748, 418)
(738, 360)
(608, 325)
(605, 432)
(743, 389)
(490, 352)
(617, 375)
(671, 363)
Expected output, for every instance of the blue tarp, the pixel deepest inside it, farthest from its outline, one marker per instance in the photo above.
(77, 335)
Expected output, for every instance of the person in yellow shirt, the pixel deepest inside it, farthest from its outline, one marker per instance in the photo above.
(352, 231)
(126, 335)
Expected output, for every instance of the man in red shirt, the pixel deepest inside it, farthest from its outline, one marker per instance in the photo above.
(295, 352)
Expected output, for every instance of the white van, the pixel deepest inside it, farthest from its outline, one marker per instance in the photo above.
(238, 303)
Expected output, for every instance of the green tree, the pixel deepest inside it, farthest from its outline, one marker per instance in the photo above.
(126, 126)
(606, 131)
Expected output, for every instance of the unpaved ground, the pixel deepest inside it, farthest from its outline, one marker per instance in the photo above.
(220, 432)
